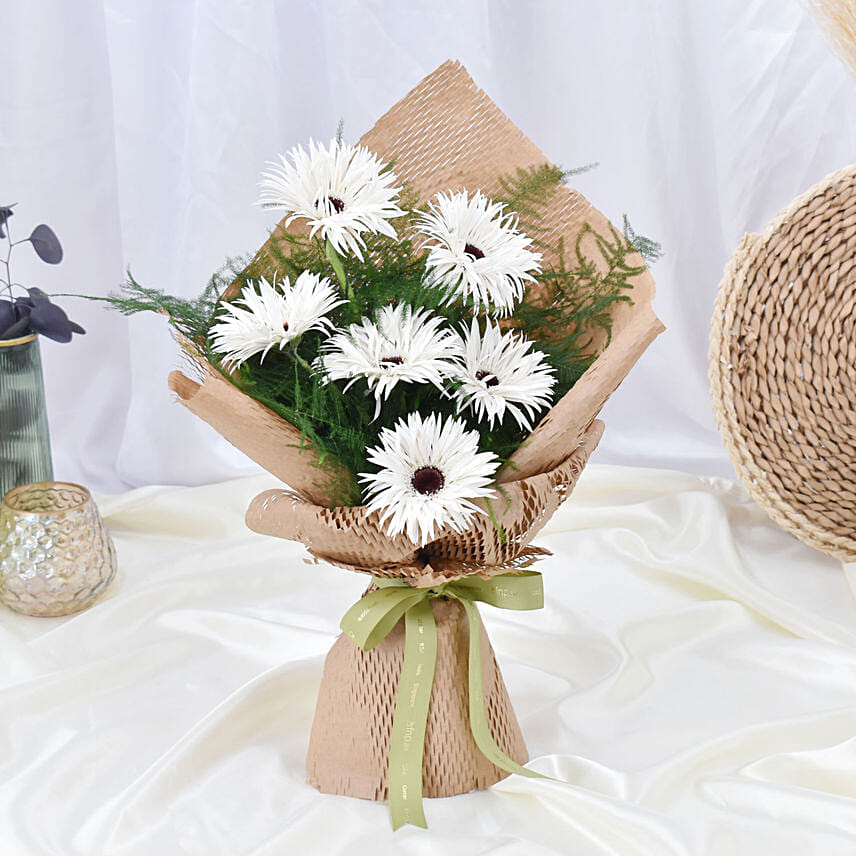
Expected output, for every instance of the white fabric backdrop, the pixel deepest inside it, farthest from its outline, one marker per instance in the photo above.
(137, 129)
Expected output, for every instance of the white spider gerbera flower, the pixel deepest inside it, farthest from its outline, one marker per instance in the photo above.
(341, 190)
(402, 344)
(477, 252)
(272, 315)
(429, 473)
(500, 374)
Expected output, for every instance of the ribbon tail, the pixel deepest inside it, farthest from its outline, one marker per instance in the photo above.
(410, 718)
(478, 714)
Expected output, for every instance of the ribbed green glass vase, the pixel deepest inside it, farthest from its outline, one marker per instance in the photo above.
(25, 446)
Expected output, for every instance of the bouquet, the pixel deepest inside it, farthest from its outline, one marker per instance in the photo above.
(419, 352)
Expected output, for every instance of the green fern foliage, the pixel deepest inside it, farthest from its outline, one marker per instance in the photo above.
(567, 313)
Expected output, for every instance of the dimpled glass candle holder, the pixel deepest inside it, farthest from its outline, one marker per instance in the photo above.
(55, 554)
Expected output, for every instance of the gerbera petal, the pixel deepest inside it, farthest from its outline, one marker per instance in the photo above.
(272, 314)
(476, 251)
(501, 374)
(429, 471)
(341, 190)
(401, 345)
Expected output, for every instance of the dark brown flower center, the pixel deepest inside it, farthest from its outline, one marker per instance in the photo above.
(488, 378)
(285, 326)
(427, 480)
(391, 361)
(473, 252)
(334, 201)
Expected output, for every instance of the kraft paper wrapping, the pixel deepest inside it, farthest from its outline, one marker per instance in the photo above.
(349, 743)
(350, 537)
(444, 135)
(273, 443)
(349, 746)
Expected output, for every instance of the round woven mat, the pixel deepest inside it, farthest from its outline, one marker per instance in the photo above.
(783, 365)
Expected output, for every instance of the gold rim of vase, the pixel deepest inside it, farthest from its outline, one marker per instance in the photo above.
(85, 496)
(10, 343)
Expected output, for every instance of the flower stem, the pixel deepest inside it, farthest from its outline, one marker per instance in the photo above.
(8, 280)
(299, 360)
(339, 268)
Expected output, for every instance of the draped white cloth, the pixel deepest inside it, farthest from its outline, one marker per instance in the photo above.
(692, 679)
(138, 130)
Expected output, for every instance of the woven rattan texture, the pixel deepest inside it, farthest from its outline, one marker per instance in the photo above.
(349, 745)
(783, 365)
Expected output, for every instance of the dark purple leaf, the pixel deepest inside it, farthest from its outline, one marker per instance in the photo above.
(37, 294)
(49, 320)
(7, 315)
(5, 213)
(76, 328)
(46, 244)
(23, 307)
(20, 328)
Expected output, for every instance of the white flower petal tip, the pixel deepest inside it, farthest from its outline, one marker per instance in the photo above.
(430, 471)
(269, 315)
(500, 374)
(343, 192)
(476, 252)
(402, 345)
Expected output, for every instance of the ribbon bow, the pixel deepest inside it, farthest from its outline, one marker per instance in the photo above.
(372, 618)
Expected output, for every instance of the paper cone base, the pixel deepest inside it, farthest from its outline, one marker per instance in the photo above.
(349, 745)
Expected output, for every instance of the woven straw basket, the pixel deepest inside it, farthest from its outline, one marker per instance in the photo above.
(783, 365)
(445, 134)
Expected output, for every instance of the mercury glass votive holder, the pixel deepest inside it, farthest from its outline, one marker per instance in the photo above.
(55, 554)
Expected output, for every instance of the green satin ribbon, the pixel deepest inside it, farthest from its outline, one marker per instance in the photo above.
(371, 619)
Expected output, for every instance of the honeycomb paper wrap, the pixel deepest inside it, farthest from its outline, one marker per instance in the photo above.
(349, 744)
(257, 431)
(446, 134)
(350, 537)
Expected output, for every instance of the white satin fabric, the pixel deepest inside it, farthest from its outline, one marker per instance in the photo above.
(692, 678)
